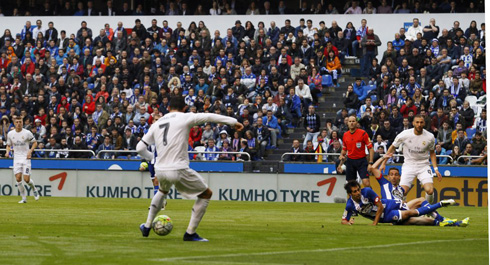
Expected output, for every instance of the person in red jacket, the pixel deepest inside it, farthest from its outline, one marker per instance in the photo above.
(28, 67)
(102, 93)
(407, 107)
(89, 105)
(63, 103)
(195, 136)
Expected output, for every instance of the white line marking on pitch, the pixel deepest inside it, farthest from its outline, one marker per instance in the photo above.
(232, 255)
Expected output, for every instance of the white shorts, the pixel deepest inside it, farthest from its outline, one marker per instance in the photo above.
(187, 181)
(23, 167)
(409, 172)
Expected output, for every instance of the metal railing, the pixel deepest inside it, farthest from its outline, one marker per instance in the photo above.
(115, 151)
(190, 152)
(338, 154)
(61, 150)
(220, 152)
(308, 154)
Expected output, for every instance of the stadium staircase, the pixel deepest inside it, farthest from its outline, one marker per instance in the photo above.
(329, 103)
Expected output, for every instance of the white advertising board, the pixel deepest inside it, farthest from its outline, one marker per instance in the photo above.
(226, 186)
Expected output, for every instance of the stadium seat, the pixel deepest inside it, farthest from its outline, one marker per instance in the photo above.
(327, 81)
(470, 132)
(471, 99)
(199, 148)
(365, 91)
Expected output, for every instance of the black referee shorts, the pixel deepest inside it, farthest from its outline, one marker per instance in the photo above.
(354, 166)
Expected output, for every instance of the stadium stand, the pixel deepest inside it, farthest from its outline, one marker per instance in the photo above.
(99, 91)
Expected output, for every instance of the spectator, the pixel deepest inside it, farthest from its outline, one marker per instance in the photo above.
(370, 43)
(303, 92)
(440, 151)
(106, 146)
(413, 30)
(468, 151)
(481, 122)
(387, 132)
(309, 149)
(478, 142)
(296, 148)
(444, 135)
(461, 141)
(211, 148)
(312, 124)
(263, 136)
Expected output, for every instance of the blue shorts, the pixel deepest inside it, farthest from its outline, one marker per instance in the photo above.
(393, 211)
(151, 168)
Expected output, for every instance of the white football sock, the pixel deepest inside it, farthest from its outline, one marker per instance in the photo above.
(31, 184)
(429, 198)
(198, 212)
(22, 190)
(155, 207)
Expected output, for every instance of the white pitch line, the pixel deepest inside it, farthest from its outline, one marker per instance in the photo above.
(232, 255)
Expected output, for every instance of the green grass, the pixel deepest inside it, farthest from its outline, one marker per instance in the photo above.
(105, 231)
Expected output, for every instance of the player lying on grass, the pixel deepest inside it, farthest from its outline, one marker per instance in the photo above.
(368, 204)
(391, 189)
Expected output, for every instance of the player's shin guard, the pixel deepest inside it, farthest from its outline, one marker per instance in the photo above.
(22, 190)
(429, 198)
(428, 209)
(156, 205)
(198, 212)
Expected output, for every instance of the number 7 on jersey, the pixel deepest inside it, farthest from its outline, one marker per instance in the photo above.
(165, 127)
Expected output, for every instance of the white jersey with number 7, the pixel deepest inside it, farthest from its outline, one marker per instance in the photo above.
(170, 134)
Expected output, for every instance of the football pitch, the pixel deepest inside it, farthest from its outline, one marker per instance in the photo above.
(105, 231)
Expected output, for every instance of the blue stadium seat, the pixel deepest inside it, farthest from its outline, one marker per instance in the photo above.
(327, 81)
(470, 132)
(365, 91)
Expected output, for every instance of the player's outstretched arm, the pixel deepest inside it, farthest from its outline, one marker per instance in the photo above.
(375, 171)
(201, 118)
(433, 158)
(142, 150)
(390, 152)
(378, 213)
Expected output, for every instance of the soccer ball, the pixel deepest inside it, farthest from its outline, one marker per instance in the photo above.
(162, 225)
(343, 168)
(144, 165)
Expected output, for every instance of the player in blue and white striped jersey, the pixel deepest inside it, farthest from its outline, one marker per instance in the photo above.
(390, 186)
(392, 190)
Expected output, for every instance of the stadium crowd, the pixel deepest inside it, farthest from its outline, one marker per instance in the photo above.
(101, 89)
(232, 7)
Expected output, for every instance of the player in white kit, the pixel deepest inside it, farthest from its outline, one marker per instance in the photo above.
(170, 134)
(19, 140)
(417, 145)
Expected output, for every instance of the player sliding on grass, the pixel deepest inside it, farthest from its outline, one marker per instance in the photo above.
(367, 203)
(170, 135)
(417, 145)
(391, 189)
(20, 139)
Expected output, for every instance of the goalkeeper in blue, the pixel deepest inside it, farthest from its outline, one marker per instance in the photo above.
(368, 204)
